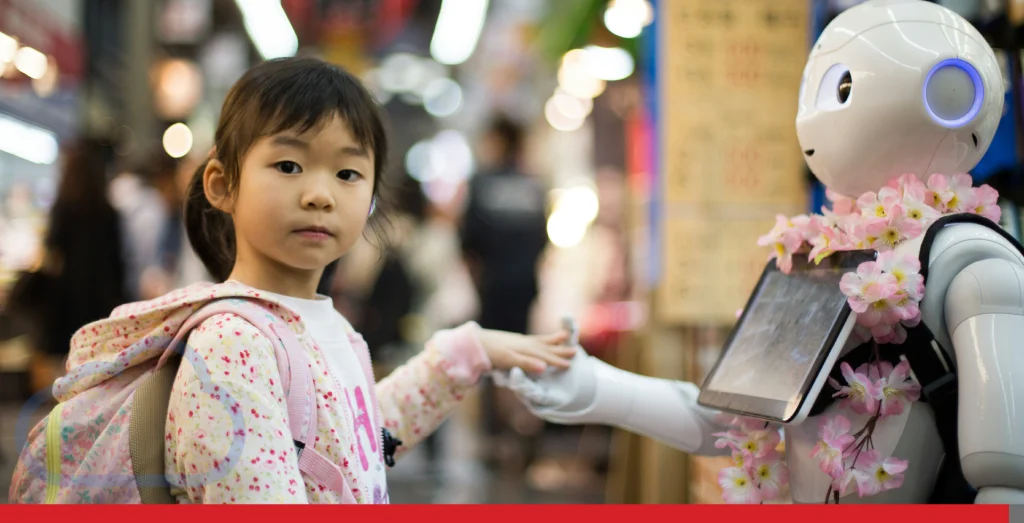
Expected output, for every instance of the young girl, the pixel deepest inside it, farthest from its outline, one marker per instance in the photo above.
(288, 189)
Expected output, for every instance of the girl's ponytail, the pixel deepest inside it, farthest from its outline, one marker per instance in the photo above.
(210, 230)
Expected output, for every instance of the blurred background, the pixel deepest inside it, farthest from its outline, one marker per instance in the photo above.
(610, 160)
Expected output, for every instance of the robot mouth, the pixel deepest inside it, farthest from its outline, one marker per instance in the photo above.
(809, 152)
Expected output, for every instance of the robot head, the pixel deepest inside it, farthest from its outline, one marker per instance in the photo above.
(894, 87)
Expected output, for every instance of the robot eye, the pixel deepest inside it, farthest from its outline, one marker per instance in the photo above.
(953, 93)
(845, 86)
(835, 89)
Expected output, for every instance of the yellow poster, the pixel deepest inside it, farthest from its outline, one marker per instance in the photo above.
(730, 75)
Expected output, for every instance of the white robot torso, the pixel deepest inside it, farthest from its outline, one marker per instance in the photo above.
(974, 306)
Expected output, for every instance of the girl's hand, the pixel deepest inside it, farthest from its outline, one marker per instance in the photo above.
(507, 350)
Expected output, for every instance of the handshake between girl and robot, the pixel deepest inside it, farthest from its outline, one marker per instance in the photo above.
(887, 359)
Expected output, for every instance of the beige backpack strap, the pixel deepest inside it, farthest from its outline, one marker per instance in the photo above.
(146, 433)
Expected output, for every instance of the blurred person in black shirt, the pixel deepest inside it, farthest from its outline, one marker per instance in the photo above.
(504, 230)
(503, 234)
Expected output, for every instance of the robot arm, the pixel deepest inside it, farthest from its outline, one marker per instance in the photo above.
(985, 314)
(979, 278)
(593, 392)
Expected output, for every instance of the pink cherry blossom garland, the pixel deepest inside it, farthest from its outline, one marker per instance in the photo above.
(885, 293)
(886, 296)
(878, 389)
(758, 473)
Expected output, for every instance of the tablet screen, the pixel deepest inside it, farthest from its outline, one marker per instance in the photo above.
(787, 329)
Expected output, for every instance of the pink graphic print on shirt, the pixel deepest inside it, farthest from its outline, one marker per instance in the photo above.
(361, 419)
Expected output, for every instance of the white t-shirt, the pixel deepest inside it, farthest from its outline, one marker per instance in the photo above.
(328, 328)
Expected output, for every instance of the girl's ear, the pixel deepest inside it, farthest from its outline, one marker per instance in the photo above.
(216, 187)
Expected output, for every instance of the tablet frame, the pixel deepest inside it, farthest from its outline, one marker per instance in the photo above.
(797, 409)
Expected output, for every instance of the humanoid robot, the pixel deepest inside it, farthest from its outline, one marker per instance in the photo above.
(891, 87)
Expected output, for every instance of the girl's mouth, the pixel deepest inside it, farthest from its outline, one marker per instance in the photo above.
(314, 233)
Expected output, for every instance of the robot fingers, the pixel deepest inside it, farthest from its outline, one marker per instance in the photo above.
(533, 393)
(572, 327)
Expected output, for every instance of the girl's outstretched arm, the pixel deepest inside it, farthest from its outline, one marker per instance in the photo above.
(417, 396)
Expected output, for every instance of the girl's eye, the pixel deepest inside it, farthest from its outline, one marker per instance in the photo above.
(348, 175)
(288, 167)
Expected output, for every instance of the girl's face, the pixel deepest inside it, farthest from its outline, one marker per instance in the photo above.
(303, 199)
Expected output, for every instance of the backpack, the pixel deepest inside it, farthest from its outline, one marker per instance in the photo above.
(123, 419)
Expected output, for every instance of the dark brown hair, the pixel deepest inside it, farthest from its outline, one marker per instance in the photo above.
(298, 94)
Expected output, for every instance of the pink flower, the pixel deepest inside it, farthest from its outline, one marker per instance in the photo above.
(804, 225)
(860, 393)
(867, 286)
(912, 322)
(893, 333)
(878, 205)
(866, 231)
(912, 187)
(903, 306)
(907, 271)
(986, 203)
(874, 475)
(951, 195)
(846, 479)
(840, 224)
(826, 241)
(881, 312)
(785, 239)
(752, 443)
(739, 459)
(841, 205)
(834, 439)
(963, 195)
(875, 371)
(770, 474)
(731, 439)
(939, 192)
(897, 390)
(915, 205)
(897, 228)
(738, 486)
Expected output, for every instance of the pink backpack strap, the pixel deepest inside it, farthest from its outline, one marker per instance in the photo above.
(294, 366)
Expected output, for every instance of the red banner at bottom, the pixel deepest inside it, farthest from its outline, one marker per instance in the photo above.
(515, 513)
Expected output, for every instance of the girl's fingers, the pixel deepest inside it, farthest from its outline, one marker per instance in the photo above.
(557, 338)
(550, 357)
(564, 351)
(531, 364)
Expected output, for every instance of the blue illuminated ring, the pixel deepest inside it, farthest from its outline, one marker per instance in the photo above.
(979, 93)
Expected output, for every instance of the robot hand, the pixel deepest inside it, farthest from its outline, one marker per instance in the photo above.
(554, 392)
(593, 392)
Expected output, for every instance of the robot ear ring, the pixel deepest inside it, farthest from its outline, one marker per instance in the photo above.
(953, 93)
